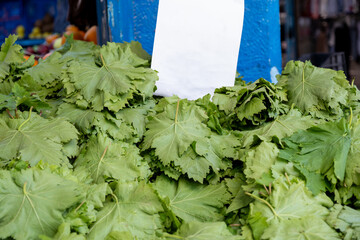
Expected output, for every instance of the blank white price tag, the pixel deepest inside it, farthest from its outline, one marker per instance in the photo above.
(196, 46)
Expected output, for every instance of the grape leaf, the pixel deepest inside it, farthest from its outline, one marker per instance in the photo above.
(352, 170)
(46, 70)
(309, 86)
(136, 117)
(204, 231)
(33, 201)
(174, 130)
(64, 233)
(250, 104)
(11, 52)
(114, 80)
(259, 161)
(280, 127)
(105, 158)
(345, 219)
(311, 227)
(320, 148)
(135, 209)
(195, 166)
(240, 199)
(291, 201)
(250, 107)
(35, 138)
(77, 49)
(218, 147)
(192, 201)
(82, 118)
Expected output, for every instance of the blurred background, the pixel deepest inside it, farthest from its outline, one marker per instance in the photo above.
(327, 32)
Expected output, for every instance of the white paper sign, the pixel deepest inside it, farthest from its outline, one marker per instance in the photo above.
(196, 46)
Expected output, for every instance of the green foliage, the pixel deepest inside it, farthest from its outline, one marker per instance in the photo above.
(87, 152)
(34, 201)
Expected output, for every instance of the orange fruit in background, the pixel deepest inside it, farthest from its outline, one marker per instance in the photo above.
(46, 55)
(91, 35)
(72, 28)
(82, 33)
(26, 57)
(51, 38)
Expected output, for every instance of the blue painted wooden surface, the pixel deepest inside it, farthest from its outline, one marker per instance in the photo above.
(260, 49)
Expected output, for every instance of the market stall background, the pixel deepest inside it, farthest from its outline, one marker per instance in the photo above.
(260, 53)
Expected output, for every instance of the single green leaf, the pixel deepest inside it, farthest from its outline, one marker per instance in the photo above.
(117, 76)
(136, 117)
(192, 201)
(11, 52)
(259, 161)
(78, 50)
(307, 86)
(320, 148)
(47, 70)
(291, 201)
(218, 147)
(82, 118)
(119, 235)
(64, 233)
(239, 198)
(203, 231)
(346, 220)
(135, 210)
(352, 171)
(104, 158)
(35, 138)
(174, 130)
(195, 166)
(4, 70)
(314, 180)
(258, 225)
(250, 108)
(281, 127)
(7, 102)
(33, 201)
(310, 227)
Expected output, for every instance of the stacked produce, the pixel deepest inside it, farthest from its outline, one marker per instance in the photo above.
(87, 152)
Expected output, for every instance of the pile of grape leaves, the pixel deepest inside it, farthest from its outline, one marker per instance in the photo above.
(87, 151)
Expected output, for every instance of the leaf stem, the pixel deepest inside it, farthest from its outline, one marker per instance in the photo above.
(103, 62)
(173, 236)
(267, 190)
(28, 119)
(177, 110)
(235, 225)
(82, 203)
(351, 117)
(101, 160)
(7, 110)
(24, 188)
(287, 178)
(264, 201)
